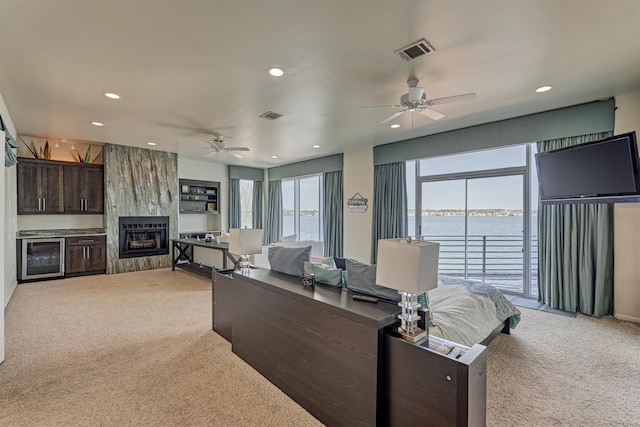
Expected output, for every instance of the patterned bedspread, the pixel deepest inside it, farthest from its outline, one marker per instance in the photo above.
(467, 311)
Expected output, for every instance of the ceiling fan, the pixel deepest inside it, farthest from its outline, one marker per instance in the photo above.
(217, 145)
(416, 101)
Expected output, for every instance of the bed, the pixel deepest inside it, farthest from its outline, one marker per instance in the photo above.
(470, 312)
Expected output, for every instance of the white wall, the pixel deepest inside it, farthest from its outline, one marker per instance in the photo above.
(358, 178)
(205, 171)
(8, 279)
(626, 296)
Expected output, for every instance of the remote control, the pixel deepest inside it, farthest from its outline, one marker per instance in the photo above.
(365, 298)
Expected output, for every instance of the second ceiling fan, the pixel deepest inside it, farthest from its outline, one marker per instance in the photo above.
(415, 100)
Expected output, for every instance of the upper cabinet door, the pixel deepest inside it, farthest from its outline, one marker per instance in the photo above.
(29, 192)
(52, 185)
(94, 189)
(84, 189)
(73, 189)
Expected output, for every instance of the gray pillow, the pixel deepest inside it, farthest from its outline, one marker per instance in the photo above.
(289, 260)
(362, 279)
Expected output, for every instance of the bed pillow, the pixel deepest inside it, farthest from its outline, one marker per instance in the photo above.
(324, 273)
(288, 239)
(362, 278)
(324, 260)
(289, 260)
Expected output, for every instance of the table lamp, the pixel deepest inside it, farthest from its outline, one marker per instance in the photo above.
(410, 267)
(245, 242)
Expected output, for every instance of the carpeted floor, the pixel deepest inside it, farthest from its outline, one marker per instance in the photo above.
(137, 349)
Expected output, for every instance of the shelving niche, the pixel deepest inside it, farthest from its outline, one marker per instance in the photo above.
(199, 196)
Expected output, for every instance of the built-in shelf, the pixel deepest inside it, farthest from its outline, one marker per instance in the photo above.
(199, 196)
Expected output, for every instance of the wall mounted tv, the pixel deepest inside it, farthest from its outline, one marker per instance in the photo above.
(603, 171)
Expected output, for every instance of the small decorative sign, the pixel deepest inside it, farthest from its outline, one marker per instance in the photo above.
(357, 203)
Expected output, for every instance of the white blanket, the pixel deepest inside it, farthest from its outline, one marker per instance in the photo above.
(461, 316)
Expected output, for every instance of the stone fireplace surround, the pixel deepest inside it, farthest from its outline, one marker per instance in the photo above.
(138, 182)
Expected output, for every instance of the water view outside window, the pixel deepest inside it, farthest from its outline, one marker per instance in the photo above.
(246, 203)
(473, 205)
(301, 208)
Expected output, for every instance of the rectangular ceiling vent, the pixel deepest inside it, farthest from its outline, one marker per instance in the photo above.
(270, 115)
(414, 50)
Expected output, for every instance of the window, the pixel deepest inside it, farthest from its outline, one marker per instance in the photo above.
(481, 207)
(302, 208)
(246, 203)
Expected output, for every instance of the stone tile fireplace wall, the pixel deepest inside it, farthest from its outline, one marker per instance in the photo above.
(138, 182)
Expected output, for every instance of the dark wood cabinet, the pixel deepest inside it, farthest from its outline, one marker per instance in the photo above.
(52, 187)
(222, 310)
(85, 255)
(40, 187)
(84, 189)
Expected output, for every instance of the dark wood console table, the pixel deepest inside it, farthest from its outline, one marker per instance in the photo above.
(340, 358)
(319, 345)
(182, 255)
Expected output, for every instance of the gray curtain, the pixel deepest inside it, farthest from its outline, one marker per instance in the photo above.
(273, 229)
(256, 204)
(235, 210)
(575, 268)
(332, 190)
(389, 204)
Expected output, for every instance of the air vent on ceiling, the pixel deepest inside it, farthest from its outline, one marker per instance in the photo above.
(414, 50)
(270, 115)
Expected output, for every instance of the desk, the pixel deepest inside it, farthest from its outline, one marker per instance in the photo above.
(183, 251)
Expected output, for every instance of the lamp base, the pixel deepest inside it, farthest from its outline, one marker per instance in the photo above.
(418, 335)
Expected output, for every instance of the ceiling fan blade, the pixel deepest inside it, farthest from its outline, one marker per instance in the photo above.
(431, 113)
(237, 148)
(380, 106)
(238, 155)
(393, 116)
(450, 99)
(211, 153)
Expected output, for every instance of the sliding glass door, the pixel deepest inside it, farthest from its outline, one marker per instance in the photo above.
(478, 221)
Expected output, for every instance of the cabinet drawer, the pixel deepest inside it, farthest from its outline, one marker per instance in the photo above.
(86, 240)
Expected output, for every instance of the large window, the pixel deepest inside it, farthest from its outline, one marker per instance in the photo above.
(246, 203)
(302, 208)
(479, 207)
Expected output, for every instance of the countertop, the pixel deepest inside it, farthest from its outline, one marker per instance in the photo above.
(69, 232)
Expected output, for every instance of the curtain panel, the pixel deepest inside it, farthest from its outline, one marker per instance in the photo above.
(575, 268)
(389, 204)
(333, 194)
(235, 214)
(256, 204)
(273, 229)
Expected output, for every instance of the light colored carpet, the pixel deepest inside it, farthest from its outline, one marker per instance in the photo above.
(137, 349)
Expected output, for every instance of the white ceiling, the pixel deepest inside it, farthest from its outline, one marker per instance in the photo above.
(186, 69)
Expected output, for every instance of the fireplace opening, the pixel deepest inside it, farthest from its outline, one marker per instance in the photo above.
(143, 236)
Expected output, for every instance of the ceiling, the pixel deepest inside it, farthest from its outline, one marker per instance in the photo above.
(188, 69)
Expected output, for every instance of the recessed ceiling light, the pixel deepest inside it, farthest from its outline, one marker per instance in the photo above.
(151, 143)
(394, 126)
(274, 157)
(97, 124)
(276, 71)
(544, 88)
(315, 146)
(112, 95)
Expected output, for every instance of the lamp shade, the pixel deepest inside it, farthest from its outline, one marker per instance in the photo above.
(407, 265)
(245, 241)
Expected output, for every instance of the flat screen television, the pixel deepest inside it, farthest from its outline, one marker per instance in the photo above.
(603, 171)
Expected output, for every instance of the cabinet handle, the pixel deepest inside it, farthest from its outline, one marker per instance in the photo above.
(86, 241)
(86, 205)
(39, 203)
(44, 203)
(88, 253)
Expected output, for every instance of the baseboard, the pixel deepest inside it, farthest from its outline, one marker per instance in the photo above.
(627, 318)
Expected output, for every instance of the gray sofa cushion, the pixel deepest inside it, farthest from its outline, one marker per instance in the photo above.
(289, 260)
(361, 278)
